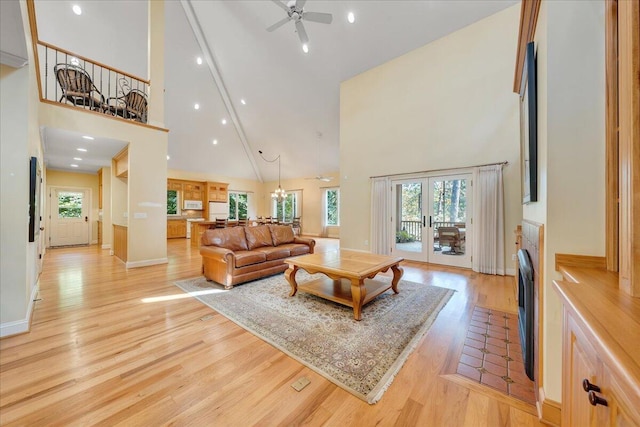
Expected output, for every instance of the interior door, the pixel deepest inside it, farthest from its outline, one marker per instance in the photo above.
(450, 227)
(69, 217)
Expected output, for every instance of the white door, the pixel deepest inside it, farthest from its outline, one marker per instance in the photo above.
(408, 220)
(449, 224)
(69, 217)
(431, 219)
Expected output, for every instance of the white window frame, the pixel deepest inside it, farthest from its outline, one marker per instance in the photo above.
(248, 204)
(325, 206)
(297, 203)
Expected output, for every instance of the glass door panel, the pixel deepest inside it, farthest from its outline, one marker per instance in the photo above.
(449, 220)
(408, 219)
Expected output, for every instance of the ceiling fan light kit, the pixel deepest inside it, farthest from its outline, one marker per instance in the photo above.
(295, 12)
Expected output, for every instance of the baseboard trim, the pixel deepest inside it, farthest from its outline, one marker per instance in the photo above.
(511, 271)
(549, 411)
(106, 246)
(23, 325)
(146, 262)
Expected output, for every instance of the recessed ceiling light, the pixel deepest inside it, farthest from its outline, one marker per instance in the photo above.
(196, 106)
(199, 60)
(168, 157)
(74, 166)
(88, 137)
(77, 158)
(215, 142)
(224, 121)
(305, 48)
(77, 9)
(84, 150)
(243, 102)
(351, 17)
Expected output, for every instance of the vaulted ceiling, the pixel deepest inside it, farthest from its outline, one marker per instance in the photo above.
(291, 99)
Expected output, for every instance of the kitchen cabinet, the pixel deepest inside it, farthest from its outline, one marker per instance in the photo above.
(192, 191)
(176, 228)
(217, 192)
(174, 185)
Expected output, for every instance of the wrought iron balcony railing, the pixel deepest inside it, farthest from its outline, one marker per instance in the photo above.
(75, 80)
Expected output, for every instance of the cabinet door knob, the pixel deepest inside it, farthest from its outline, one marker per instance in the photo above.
(587, 386)
(596, 400)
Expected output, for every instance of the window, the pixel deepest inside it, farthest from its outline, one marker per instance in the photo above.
(287, 208)
(69, 205)
(238, 205)
(332, 206)
(172, 202)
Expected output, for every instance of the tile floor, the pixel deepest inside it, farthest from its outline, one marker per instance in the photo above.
(492, 354)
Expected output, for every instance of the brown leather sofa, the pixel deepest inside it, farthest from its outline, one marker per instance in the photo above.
(239, 254)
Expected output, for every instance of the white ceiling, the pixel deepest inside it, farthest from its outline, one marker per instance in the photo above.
(292, 98)
(13, 45)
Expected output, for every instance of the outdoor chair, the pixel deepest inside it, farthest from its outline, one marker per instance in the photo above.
(449, 236)
(78, 88)
(132, 105)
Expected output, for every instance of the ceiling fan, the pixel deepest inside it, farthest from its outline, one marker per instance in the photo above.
(295, 12)
(322, 178)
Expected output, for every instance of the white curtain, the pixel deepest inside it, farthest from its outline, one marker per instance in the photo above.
(488, 220)
(380, 215)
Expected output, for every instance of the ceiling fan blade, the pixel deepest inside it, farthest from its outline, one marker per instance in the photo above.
(279, 24)
(300, 3)
(282, 5)
(302, 33)
(323, 18)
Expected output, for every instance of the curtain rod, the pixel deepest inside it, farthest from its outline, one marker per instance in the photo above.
(438, 170)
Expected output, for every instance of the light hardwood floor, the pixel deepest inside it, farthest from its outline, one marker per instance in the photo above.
(100, 353)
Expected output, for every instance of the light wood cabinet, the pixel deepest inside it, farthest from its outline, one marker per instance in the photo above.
(601, 342)
(99, 234)
(174, 185)
(100, 188)
(176, 228)
(193, 191)
(217, 192)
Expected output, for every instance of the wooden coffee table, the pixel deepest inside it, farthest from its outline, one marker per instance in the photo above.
(349, 278)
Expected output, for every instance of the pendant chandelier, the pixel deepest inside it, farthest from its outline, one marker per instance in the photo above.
(279, 193)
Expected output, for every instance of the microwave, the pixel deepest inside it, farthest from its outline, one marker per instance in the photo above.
(192, 204)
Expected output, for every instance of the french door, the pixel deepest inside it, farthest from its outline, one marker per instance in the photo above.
(431, 220)
(69, 213)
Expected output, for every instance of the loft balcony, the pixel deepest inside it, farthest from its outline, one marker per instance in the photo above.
(79, 82)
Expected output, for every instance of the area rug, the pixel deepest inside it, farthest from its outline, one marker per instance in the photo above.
(361, 357)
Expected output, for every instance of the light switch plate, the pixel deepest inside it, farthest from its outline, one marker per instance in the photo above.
(301, 383)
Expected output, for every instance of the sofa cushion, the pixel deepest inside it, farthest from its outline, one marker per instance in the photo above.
(296, 249)
(281, 234)
(272, 253)
(244, 258)
(258, 237)
(229, 238)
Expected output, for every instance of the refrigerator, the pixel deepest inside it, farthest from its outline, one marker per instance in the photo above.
(218, 210)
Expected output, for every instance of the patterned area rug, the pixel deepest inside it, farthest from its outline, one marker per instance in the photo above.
(361, 357)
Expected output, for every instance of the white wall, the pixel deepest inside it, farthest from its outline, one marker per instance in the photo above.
(571, 132)
(448, 104)
(19, 140)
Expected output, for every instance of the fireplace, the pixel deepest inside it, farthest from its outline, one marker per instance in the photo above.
(526, 307)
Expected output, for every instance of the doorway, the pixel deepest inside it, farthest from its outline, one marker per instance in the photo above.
(431, 219)
(69, 216)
